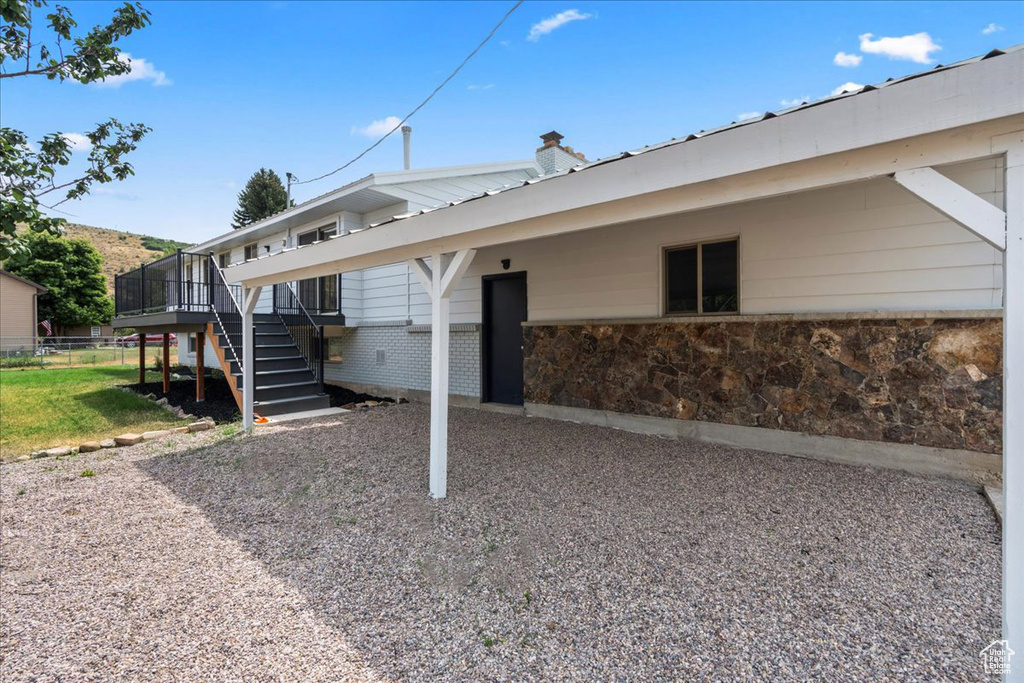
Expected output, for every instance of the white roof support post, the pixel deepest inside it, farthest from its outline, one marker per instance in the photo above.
(957, 203)
(1013, 401)
(250, 296)
(440, 279)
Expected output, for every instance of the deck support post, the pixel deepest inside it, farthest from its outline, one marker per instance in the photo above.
(1013, 401)
(142, 358)
(440, 279)
(250, 297)
(167, 362)
(200, 366)
(1004, 230)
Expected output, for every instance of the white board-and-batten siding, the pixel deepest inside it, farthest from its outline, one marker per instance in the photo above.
(860, 247)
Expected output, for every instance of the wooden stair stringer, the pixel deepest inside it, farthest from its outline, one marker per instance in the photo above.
(225, 365)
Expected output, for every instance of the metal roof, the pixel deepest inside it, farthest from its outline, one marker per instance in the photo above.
(939, 68)
(705, 133)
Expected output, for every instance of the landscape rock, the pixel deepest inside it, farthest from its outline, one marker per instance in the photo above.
(155, 434)
(180, 430)
(128, 439)
(201, 426)
(57, 452)
(161, 401)
(108, 443)
(89, 447)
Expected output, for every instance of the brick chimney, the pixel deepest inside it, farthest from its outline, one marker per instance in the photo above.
(552, 156)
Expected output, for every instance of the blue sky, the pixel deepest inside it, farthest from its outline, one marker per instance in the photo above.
(232, 86)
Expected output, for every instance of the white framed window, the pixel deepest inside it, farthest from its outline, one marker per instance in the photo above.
(251, 251)
(191, 343)
(95, 331)
(702, 278)
(224, 259)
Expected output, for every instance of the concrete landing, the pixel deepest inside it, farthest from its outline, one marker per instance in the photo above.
(322, 412)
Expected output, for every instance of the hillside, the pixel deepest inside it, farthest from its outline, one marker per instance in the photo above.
(122, 251)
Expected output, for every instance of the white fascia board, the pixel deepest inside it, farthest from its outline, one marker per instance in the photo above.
(800, 150)
(412, 175)
(285, 220)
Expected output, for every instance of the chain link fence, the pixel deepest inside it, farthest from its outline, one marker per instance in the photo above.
(78, 352)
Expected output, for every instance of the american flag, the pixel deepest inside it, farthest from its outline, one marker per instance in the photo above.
(48, 327)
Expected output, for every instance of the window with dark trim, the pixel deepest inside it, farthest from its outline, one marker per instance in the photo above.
(223, 258)
(251, 251)
(703, 278)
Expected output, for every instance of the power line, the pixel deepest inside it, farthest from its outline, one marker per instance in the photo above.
(421, 104)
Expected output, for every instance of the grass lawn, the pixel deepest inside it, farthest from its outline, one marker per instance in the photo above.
(63, 407)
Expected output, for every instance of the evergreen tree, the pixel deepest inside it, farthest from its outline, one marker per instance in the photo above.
(71, 270)
(264, 195)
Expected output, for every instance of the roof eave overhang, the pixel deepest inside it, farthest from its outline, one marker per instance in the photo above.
(975, 93)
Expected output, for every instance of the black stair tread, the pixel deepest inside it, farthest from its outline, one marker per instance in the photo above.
(273, 372)
(266, 359)
(304, 383)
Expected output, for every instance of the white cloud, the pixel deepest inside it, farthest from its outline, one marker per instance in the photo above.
(377, 128)
(747, 115)
(849, 86)
(992, 28)
(546, 26)
(916, 48)
(78, 142)
(795, 101)
(844, 59)
(142, 70)
(487, 86)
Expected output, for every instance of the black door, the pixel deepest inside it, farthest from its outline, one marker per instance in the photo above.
(504, 310)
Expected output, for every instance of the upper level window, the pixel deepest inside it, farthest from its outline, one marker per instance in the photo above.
(702, 279)
(251, 251)
(223, 259)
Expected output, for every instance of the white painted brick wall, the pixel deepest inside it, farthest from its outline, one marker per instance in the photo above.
(406, 357)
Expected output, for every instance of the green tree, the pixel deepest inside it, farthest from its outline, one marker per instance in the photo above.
(28, 174)
(264, 195)
(71, 270)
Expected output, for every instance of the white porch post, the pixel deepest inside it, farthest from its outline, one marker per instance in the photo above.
(1013, 408)
(249, 298)
(1005, 231)
(439, 280)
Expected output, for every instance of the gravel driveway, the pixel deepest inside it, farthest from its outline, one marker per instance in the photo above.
(310, 552)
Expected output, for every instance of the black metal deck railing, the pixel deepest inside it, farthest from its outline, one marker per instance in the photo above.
(179, 282)
(308, 336)
(226, 306)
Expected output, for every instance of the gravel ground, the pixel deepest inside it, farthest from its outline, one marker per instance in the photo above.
(310, 552)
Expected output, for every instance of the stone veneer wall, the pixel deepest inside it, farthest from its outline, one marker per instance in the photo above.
(927, 381)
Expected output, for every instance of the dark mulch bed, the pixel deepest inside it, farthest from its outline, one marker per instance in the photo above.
(219, 404)
(340, 396)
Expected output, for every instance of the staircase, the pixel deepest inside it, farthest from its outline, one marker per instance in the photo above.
(284, 381)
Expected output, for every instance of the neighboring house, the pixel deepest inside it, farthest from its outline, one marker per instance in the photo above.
(18, 312)
(104, 332)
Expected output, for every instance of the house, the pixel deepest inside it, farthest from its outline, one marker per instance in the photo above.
(842, 279)
(335, 323)
(19, 317)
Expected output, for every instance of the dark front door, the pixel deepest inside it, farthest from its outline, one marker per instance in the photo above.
(504, 310)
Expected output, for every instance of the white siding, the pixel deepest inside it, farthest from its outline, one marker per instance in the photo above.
(859, 247)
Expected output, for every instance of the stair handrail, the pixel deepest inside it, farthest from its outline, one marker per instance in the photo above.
(215, 269)
(317, 370)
